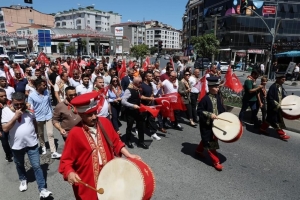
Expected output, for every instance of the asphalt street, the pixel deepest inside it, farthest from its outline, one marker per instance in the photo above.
(255, 167)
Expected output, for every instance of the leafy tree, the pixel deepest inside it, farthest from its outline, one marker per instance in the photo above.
(61, 47)
(205, 45)
(139, 51)
(71, 50)
(153, 50)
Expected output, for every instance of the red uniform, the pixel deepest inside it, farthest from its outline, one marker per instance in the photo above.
(80, 155)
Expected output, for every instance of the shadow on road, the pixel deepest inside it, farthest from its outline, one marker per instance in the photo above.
(271, 132)
(189, 149)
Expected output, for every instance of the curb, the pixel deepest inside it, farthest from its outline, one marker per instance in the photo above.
(291, 125)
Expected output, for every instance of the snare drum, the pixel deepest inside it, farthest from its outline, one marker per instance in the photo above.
(123, 179)
(290, 107)
(227, 128)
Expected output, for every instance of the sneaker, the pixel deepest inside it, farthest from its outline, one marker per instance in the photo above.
(23, 186)
(155, 137)
(55, 155)
(44, 151)
(8, 158)
(45, 193)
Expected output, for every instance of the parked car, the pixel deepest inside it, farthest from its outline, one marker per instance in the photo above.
(18, 58)
(202, 63)
(85, 57)
(223, 67)
(167, 57)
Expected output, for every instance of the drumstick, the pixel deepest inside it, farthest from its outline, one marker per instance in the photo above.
(100, 190)
(288, 105)
(224, 120)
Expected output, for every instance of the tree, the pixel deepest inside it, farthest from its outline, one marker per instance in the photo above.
(139, 51)
(71, 50)
(153, 50)
(84, 42)
(205, 45)
(61, 47)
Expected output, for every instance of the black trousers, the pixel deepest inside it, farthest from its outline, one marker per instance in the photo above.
(131, 116)
(54, 100)
(115, 109)
(176, 116)
(5, 144)
(150, 123)
(188, 111)
(194, 101)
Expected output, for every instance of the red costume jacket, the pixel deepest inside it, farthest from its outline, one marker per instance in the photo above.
(80, 155)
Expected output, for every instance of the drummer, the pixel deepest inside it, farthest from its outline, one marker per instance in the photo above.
(208, 108)
(89, 147)
(274, 113)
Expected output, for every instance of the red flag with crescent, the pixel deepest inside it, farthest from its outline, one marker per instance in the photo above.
(42, 57)
(203, 88)
(176, 101)
(166, 108)
(146, 63)
(59, 67)
(122, 71)
(153, 110)
(232, 82)
(130, 64)
(9, 78)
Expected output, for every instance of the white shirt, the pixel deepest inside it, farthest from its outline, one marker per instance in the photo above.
(193, 81)
(22, 134)
(74, 83)
(2, 73)
(296, 69)
(61, 92)
(94, 76)
(32, 69)
(180, 65)
(9, 90)
(81, 89)
(262, 67)
(106, 80)
(163, 71)
(104, 110)
(57, 79)
(28, 87)
(168, 86)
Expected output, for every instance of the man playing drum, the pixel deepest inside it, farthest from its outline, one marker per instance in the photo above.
(274, 112)
(89, 146)
(208, 108)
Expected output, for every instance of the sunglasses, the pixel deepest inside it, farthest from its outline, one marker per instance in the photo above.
(114, 80)
(187, 74)
(19, 104)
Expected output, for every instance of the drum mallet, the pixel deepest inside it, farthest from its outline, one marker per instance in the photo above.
(100, 190)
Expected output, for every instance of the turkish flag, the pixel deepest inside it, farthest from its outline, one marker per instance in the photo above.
(232, 82)
(59, 67)
(153, 110)
(130, 64)
(166, 108)
(122, 71)
(42, 57)
(146, 63)
(203, 88)
(176, 101)
(9, 78)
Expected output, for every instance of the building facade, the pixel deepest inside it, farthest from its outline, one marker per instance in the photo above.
(16, 16)
(170, 37)
(87, 18)
(244, 35)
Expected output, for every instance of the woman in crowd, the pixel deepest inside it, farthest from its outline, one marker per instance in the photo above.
(115, 94)
(184, 89)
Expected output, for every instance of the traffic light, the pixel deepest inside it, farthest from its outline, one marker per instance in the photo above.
(160, 46)
(244, 4)
(79, 46)
(28, 1)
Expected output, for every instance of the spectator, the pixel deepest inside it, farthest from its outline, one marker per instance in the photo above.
(85, 86)
(20, 81)
(60, 86)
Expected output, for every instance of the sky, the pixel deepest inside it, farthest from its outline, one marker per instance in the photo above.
(167, 11)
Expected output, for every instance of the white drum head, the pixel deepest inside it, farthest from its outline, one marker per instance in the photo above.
(120, 179)
(225, 130)
(288, 108)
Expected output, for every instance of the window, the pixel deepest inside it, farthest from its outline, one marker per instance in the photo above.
(31, 21)
(88, 15)
(88, 21)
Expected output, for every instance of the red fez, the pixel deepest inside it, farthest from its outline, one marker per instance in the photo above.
(86, 103)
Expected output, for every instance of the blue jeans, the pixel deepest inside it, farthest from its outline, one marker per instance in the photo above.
(254, 110)
(34, 158)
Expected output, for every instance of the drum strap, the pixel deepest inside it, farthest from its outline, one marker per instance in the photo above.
(105, 135)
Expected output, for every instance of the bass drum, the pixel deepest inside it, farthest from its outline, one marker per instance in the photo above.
(228, 128)
(290, 107)
(124, 179)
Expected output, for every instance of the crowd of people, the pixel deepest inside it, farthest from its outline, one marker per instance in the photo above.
(82, 92)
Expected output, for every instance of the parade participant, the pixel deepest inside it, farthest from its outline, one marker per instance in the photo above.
(127, 79)
(131, 100)
(75, 80)
(39, 101)
(166, 75)
(274, 114)
(147, 98)
(64, 116)
(95, 74)
(60, 86)
(28, 72)
(184, 89)
(208, 109)
(32, 66)
(105, 110)
(101, 69)
(2, 69)
(250, 98)
(14, 67)
(30, 85)
(193, 80)
(107, 76)
(22, 128)
(52, 81)
(20, 81)
(262, 98)
(67, 64)
(85, 86)
(4, 135)
(156, 65)
(89, 146)
(9, 90)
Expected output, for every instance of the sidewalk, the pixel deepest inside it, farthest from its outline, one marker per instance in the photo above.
(291, 125)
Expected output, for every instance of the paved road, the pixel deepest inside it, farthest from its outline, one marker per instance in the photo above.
(255, 167)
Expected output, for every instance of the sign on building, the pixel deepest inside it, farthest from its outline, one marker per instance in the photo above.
(269, 10)
(119, 31)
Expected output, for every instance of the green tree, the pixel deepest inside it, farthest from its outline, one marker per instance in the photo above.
(205, 45)
(139, 51)
(61, 47)
(153, 50)
(71, 50)
(84, 42)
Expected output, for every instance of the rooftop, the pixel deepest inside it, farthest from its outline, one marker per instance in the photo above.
(19, 7)
(88, 8)
(130, 23)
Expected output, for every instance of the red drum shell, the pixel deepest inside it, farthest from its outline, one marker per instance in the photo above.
(124, 178)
